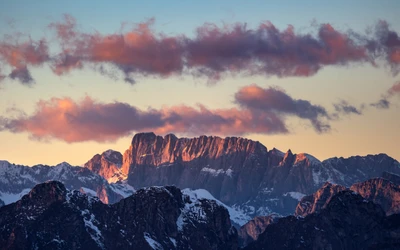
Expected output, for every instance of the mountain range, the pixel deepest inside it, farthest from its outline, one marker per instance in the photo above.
(255, 186)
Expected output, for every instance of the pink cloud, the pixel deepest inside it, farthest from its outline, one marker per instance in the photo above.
(213, 52)
(20, 55)
(267, 50)
(395, 89)
(260, 111)
(140, 50)
(275, 100)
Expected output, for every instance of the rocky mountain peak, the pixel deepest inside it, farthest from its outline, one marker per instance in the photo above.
(108, 165)
(307, 158)
(112, 156)
(288, 158)
(47, 192)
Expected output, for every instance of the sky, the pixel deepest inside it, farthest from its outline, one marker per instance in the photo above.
(80, 77)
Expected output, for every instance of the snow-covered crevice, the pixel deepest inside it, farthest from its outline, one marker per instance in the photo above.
(152, 243)
(91, 227)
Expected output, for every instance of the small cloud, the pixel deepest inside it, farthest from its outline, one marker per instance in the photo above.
(382, 104)
(344, 107)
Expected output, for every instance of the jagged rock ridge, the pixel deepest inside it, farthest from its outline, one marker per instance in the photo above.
(50, 217)
(378, 190)
(347, 222)
(17, 180)
(252, 229)
(242, 172)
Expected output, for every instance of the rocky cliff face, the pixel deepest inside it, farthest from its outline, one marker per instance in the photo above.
(231, 168)
(50, 217)
(347, 222)
(378, 190)
(319, 200)
(242, 172)
(252, 229)
(108, 165)
(382, 192)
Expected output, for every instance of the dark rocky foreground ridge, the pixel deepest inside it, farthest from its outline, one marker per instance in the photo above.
(50, 217)
(378, 190)
(347, 222)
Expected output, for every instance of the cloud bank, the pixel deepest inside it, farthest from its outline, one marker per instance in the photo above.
(259, 110)
(213, 52)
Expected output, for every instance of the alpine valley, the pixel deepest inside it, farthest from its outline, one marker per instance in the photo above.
(202, 193)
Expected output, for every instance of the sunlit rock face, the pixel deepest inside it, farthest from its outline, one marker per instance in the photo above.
(242, 172)
(250, 231)
(108, 165)
(231, 168)
(378, 190)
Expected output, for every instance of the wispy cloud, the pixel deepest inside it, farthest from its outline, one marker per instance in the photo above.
(21, 55)
(343, 107)
(385, 101)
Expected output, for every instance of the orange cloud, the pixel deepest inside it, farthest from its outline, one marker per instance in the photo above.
(260, 111)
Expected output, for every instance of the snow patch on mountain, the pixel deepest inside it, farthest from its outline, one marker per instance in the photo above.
(236, 215)
(214, 172)
(88, 191)
(152, 243)
(9, 198)
(295, 195)
(91, 228)
(123, 189)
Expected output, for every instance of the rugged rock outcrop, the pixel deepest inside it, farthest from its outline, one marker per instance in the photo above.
(231, 168)
(108, 165)
(252, 229)
(242, 172)
(50, 217)
(347, 222)
(319, 200)
(378, 190)
(382, 192)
